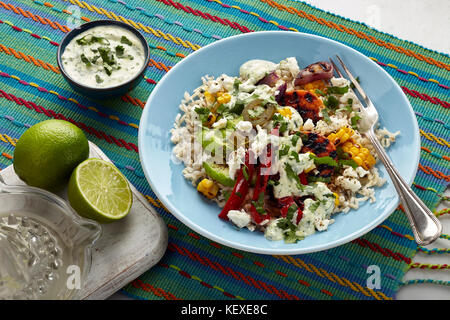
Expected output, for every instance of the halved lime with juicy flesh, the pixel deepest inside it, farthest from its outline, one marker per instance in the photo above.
(99, 191)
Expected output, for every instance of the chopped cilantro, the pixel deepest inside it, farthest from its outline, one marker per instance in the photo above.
(237, 108)
(98, 79)
(337, 90)
(349, 162)
(85, 60)
(203, 114)
(283, 151)
(295, 156)
(273, 182)
(326, 116)
(349, 106)
(106, 55)
(107, 69)
(120, 50)
(291, 237)
(320, 92)
(236, 84)
(323, 160)
(341, 154)
(259, 204)
(295, 138)
(90, 39)
(313, 207)
(280, 120)
(331, 102)
(125, 40)
(221, 109)
(95, 58)
(292, 209)
(292, 175)
(354, 121)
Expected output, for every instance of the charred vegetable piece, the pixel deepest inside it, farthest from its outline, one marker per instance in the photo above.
(258, 112)
(306, 103)
(316, 71)
(321, 147)
(241, 187)
(270, 79)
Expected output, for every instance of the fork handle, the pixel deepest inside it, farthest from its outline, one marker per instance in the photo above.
(425, 226)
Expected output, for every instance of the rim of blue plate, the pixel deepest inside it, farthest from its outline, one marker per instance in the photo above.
(277, 251)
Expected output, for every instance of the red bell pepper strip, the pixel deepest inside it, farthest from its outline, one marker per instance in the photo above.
(299, 215)
(287, 202)
(303, 178)
(260, 186)
(240, 188)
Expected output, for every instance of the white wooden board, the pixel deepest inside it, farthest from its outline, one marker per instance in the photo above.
(126, 248)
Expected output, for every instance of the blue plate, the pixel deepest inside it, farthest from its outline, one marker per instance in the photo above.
(225, 56)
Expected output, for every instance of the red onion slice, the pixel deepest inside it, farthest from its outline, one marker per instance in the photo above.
(270, 79)
(316, 71)
(281, 91)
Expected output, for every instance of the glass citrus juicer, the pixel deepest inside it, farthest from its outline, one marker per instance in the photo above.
(45, 247)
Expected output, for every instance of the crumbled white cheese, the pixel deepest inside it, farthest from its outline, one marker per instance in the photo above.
(348, 183)
(244, 126)
(308, 125)
(361, 172)
(235, 161)
(339, 82)
(264, 92)
(222, 123)
(335, 124)
(290, 64)
(228, 82)
(260, 141)
(215, 87)
(240, 218)
(350, 172)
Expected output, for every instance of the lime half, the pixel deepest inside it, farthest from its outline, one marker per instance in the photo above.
(98, 190)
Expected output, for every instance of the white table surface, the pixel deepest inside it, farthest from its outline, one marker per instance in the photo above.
(425, 22)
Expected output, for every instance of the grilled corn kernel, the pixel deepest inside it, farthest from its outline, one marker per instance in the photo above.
(224, 98)
(208, 188)
(285, 112)
(210, 120)
(358, 160)
(209, 97)
(336, 199)
(341, 136)
(360, 155)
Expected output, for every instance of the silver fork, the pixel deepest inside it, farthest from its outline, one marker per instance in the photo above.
(425, 226)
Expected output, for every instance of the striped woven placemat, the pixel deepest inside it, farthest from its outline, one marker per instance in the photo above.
(32, 90)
